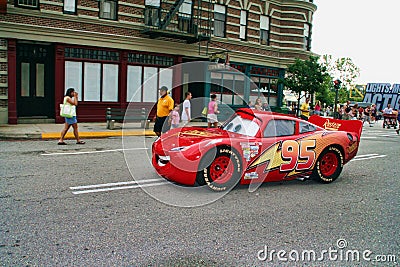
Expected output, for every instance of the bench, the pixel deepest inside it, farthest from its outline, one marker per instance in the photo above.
(127, 115)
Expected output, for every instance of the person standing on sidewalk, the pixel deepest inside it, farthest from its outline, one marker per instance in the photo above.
(71, 98)
(305, 110)
(186, 109)
(164, 106)
(212, 112)
(317, 108)
(174, 117)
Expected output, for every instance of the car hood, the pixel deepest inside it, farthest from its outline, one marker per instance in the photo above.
(183, 137)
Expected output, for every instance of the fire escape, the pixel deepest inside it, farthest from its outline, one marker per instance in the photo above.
(187, 20)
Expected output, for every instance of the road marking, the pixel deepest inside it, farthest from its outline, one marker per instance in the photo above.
(85, 189)
(371, 157)
(366, 155)
(114, 184)
(117, 188)
(92, 152)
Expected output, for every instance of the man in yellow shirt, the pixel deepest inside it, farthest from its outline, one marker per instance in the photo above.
(164, 106)
(305, 110)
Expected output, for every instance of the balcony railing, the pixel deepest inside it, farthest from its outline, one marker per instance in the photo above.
(169, 22)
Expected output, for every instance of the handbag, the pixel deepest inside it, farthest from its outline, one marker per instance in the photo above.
(204, 112)
(67, 110)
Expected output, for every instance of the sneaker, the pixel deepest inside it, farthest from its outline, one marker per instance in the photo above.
(397, 131)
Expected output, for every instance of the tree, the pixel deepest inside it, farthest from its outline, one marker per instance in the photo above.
(307, 76)
(345, 70)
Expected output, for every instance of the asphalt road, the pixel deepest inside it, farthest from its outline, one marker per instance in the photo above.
(79, 205)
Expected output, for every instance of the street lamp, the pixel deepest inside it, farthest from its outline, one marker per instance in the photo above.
(336, 85)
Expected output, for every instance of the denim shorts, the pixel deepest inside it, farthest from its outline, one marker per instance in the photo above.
(72, 120)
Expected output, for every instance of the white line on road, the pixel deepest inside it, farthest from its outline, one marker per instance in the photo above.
(92, 152)
(366, 155)
(114, 184)
(372, 157)
(117, 188)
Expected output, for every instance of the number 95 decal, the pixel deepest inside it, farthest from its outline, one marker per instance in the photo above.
(300, 155)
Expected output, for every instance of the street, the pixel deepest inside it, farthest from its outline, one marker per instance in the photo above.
(79, 205)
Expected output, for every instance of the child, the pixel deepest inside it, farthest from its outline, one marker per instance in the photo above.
(174, 117)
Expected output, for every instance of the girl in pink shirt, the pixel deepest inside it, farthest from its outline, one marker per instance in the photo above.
(212, 112)
(174, 117)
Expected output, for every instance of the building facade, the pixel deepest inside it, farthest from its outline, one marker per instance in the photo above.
(107, 50)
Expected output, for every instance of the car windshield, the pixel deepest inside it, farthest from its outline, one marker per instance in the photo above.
(244, 126)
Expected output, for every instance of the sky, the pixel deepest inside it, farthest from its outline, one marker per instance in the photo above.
(366, 31)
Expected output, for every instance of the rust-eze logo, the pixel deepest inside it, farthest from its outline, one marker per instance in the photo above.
(333, 126)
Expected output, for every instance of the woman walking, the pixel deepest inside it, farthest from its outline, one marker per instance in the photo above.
(212, 118)
(70, 98)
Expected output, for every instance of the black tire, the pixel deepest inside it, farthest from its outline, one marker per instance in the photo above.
(220, 169)
(329, 166)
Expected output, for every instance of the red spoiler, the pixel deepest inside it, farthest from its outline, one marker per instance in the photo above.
(330, 124)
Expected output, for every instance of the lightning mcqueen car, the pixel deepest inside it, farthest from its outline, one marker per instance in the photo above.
(256, 146)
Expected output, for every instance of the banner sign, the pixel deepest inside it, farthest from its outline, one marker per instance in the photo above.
(382, 94)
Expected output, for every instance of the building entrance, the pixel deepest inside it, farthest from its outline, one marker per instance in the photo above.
(35, 80)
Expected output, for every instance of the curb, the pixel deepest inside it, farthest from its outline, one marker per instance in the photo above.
(16, 136)
(70, 135)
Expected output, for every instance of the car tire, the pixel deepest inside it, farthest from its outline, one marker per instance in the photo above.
(220, 169)
(329, 166)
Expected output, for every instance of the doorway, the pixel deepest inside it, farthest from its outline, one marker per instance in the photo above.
(35, 80)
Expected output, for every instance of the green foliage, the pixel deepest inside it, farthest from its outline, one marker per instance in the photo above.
(342, 68)
(306, 76)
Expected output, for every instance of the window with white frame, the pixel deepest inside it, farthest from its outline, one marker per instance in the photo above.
(110, 83)
(108, 9)
(307, 36)
(94, 82)
(144, 88)
(150, 88)
(34, 4)
(243, 24)
(264, 29)
(134, 84)
(69, 6)
(219, 20)
(73, 76)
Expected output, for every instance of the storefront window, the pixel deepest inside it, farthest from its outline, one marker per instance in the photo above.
(100, 81)
(73, 77)
(264, 88)
(165, 78)
(150, 89)
(146, 90)
(92, 81)
(228, 87)
(110, 83)
(134, 85)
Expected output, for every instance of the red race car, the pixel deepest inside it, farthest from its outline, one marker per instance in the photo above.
(255, 147)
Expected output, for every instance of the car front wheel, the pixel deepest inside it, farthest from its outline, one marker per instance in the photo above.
(220, 169)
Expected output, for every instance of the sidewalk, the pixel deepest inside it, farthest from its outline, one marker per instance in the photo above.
(86, 130)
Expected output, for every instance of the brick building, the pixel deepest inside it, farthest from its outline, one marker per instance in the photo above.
(106, 49)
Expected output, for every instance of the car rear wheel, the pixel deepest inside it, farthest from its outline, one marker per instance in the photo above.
(220, 169)
(329, 165)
